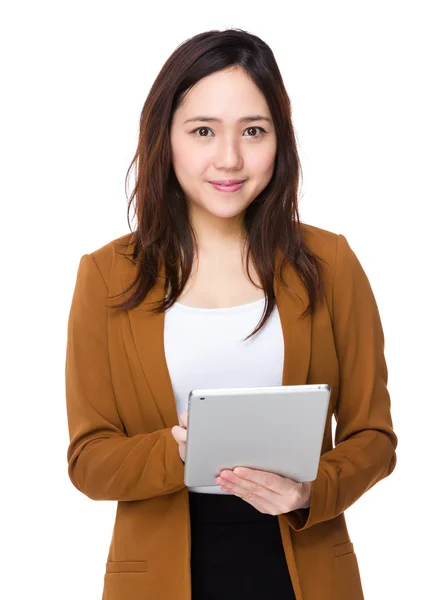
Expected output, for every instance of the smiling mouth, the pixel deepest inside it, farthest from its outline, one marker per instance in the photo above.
(228, 183)
(226, 188)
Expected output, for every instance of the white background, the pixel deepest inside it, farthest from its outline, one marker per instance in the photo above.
(364, 80)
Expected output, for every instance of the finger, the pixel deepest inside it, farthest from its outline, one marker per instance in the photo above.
(180, 434)
(264, 500)
(182, 451)
(248, 489)
(267, 479)
(184, 418)
(263, 506)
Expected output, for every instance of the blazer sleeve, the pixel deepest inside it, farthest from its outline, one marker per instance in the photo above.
(365, 442)
(104, 462)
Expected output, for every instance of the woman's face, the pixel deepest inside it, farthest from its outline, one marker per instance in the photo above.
(207, 150)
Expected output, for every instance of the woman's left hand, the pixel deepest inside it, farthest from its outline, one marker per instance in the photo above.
(268, 492)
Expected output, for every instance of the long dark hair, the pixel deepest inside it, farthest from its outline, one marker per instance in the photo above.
(271, 222)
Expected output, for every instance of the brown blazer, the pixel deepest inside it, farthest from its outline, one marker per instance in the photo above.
(121, 409)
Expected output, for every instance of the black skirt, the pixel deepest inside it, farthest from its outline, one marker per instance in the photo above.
(236, 551)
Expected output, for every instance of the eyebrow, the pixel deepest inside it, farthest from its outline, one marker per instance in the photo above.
(247, 119)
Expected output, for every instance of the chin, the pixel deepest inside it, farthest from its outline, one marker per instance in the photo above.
(221, 208)
(225, 212)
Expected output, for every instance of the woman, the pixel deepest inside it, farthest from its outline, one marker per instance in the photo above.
(205, 263)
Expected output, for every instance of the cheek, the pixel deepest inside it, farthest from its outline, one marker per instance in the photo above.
(190, 167)
(261, 164)
(185, 162)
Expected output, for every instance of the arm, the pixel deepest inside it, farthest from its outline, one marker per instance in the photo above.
(104, 462)
(365, 442)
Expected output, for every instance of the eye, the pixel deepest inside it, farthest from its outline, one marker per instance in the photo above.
(256, 127)
(248, 129)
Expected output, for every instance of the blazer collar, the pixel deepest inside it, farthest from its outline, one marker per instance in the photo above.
(148, 327)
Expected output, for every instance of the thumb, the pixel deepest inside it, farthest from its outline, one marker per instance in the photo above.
(179, 433)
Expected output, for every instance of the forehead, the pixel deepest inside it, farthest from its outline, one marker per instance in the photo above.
(224, 96)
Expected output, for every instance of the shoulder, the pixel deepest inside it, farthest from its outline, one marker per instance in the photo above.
(322, 242)
(118, 249)
(334, 248)
(120, 244)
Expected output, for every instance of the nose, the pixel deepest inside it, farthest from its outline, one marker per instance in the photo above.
(228, 156)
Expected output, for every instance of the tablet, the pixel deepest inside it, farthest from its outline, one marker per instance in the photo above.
(275, 428)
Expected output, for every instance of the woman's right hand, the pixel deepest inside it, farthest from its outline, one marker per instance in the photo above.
(180, 434)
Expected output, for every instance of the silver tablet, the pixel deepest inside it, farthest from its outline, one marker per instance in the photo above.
(275, 428)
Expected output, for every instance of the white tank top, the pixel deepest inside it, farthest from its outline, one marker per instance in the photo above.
(204, 348)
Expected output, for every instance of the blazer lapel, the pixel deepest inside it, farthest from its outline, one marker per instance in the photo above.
(148, 327)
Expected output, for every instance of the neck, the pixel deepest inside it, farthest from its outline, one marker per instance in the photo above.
(216, 233)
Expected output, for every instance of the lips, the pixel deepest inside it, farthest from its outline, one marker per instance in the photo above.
(227, 182)
(227, 188)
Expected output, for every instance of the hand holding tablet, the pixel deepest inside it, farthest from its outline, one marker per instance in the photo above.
(179, 434)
